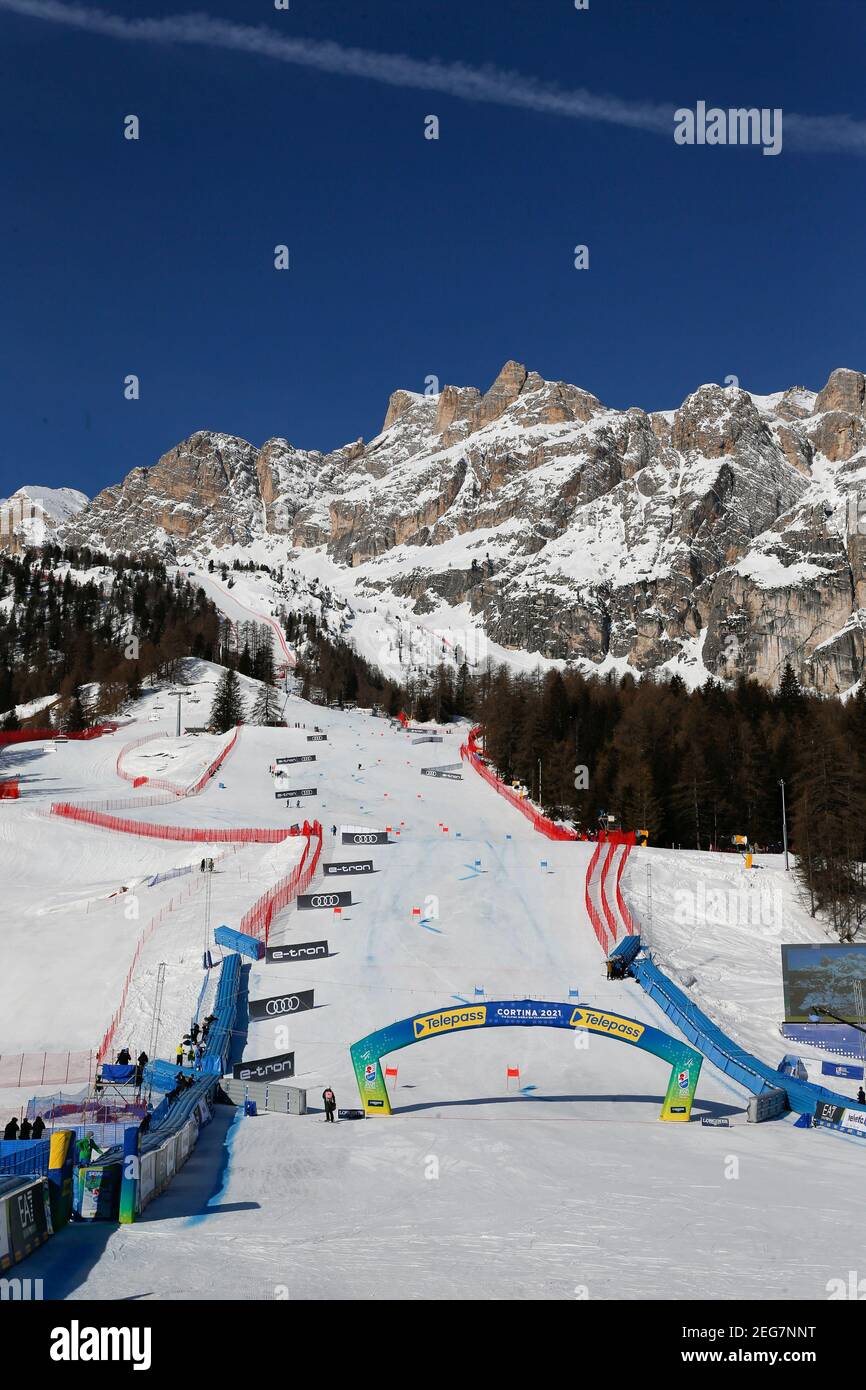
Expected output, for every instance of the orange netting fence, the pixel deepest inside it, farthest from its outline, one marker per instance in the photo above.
(257, 921)
(541, 823)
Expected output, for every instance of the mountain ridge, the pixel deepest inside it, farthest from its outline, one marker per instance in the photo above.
(723, 537)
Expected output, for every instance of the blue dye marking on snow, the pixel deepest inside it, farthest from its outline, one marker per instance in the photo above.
(212, 1205)
(430, 927)
(460, 999)
(524, 1089)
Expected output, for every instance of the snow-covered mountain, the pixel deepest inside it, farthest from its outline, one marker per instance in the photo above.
(32, 512)
(721, 537)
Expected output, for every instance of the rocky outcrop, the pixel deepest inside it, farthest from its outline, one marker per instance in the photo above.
(726, 536)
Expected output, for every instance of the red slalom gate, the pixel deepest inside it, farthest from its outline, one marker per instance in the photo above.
(257, 921)
(541, 823)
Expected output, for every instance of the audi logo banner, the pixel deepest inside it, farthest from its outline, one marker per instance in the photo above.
(317, 738)
(306, 901)
(298, 791)
(365, 837)
(438, 772)
(294, 951)
(360, 866)
(266, 1068)
(281, 1004)
(302, 758)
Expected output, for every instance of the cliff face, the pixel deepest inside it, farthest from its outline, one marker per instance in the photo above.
(728, 535)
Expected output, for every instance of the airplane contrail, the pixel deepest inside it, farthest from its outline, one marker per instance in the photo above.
(481, 84)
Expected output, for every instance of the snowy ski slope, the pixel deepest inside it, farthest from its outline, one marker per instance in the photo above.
(564, 1188)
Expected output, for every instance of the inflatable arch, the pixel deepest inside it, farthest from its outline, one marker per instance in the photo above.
(684, 1062)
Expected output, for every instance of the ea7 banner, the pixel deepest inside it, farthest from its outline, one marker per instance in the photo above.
(308, 901)
(281, 1004)
(365, 837)
(266, 1068)
(360, 866)
(298, 791)
(684, 1062)
(294, 951)
(302, 758)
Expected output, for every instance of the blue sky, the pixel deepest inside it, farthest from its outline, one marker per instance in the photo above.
(410, 257)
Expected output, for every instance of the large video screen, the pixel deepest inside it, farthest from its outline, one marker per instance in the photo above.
(824, 975)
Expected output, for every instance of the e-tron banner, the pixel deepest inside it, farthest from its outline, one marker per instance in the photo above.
(430, 738)
(281, 1004)
(298, 791)
(297, 950)
(266, 1068)
(440, 772)
(365, 837)
(360, 866)
(307, 901)
(684, 1061)
(302, 758)
(317, 738)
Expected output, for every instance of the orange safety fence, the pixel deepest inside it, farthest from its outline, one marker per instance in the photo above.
(591, 909)
(541, 823)
(257, 920)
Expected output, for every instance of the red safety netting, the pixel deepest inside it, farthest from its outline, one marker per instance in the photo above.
(253, 835)
(96, 814)
(591, 909)
(624, 913)
(257, 921)
(539, 822)
(9, 789)
(605, 905)
(40, 735)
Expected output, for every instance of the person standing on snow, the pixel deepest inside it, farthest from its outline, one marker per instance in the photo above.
(86, 1148)
(330, 1104)
(11, 1130)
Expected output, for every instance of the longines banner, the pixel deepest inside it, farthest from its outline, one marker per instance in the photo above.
(297, 950)
(306, 901)
(266, 1068)
(360, 866)
(365, 837)
(302, 758)
(317, 738)
(280, 1004)
(298, 791)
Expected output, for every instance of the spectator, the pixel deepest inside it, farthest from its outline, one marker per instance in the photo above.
(140, 1065)
(861, 1096)
(124, 1057)
(38, 1127)
(26, 1130)
(11, 1130)
(330, 1104)
(145, 1123)
(86, 1147)
(178, 1056)
(194, 1032)
(190, 1056)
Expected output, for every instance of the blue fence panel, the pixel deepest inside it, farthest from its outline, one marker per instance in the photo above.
(751, 1073)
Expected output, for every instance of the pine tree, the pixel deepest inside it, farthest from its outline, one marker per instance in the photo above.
(75, 719)
(266, 708)
(11, 724)
(228, 707)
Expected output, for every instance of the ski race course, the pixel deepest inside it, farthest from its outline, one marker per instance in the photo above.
(560, 1182)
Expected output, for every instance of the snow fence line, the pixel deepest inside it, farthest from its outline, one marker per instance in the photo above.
(257, 920)
(124, 825)
(541, 823)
